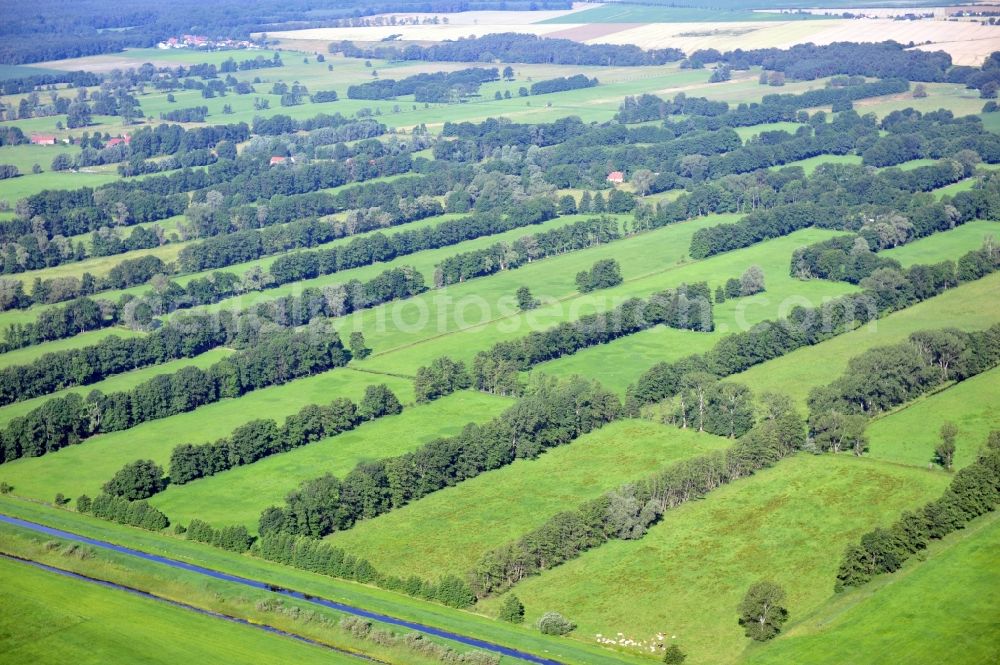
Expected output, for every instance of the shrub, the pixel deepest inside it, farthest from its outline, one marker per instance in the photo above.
(673, 655)
(553, 623)
(137, 480)
(83, 503)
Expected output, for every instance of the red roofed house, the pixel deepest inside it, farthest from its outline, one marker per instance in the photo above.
(282, 160)
(43, 139)
(616, 177)
(119, 139)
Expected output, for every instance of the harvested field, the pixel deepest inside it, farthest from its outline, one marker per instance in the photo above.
(592, 31)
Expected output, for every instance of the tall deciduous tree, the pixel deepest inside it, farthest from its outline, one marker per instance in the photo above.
(511, 610)
(761, 612)
(944, 454)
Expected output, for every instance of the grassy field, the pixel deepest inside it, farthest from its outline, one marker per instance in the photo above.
(948, 605)
(101, 265)
(946, 244)
(31, 353)
(14, 189)
(85, 467)
(810, 163)
(449, 530)
(466, 318)
(964, 307)
(954, 97)
(239, 495)
(909, 435)
(620, 362)
(49, 618)
(117, 382)
(749, 132)
(687, 575)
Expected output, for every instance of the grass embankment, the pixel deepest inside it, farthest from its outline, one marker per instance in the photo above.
(155, 578)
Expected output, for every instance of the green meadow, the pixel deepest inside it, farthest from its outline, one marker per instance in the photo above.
(86, 467)
(909, 435)
(788, 523)
(449, 530)
(622, 361)
(116, 383)
(945, 245)
(945, 602)
(477, 315)
(967, 307)
(239, 495)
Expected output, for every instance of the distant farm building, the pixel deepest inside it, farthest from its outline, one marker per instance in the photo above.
(616, 177)
(119, 139)
(43, 139)
(282, 160)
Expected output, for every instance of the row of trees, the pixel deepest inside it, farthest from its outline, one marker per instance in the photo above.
(276, 359)
(121, 510)
(234, 538)
(838, 196)
(191, 114)
(807, 62)
(550, 413)
(888, 376)
(507, 256)
(687, 307)
(709, 114)
(974, 491)
(434, 87)
(187, 336)
(627, 512)
(562, 83)
(516, 47)
(130, 272)
(141, 312)
(378, 247)
(264, 437)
